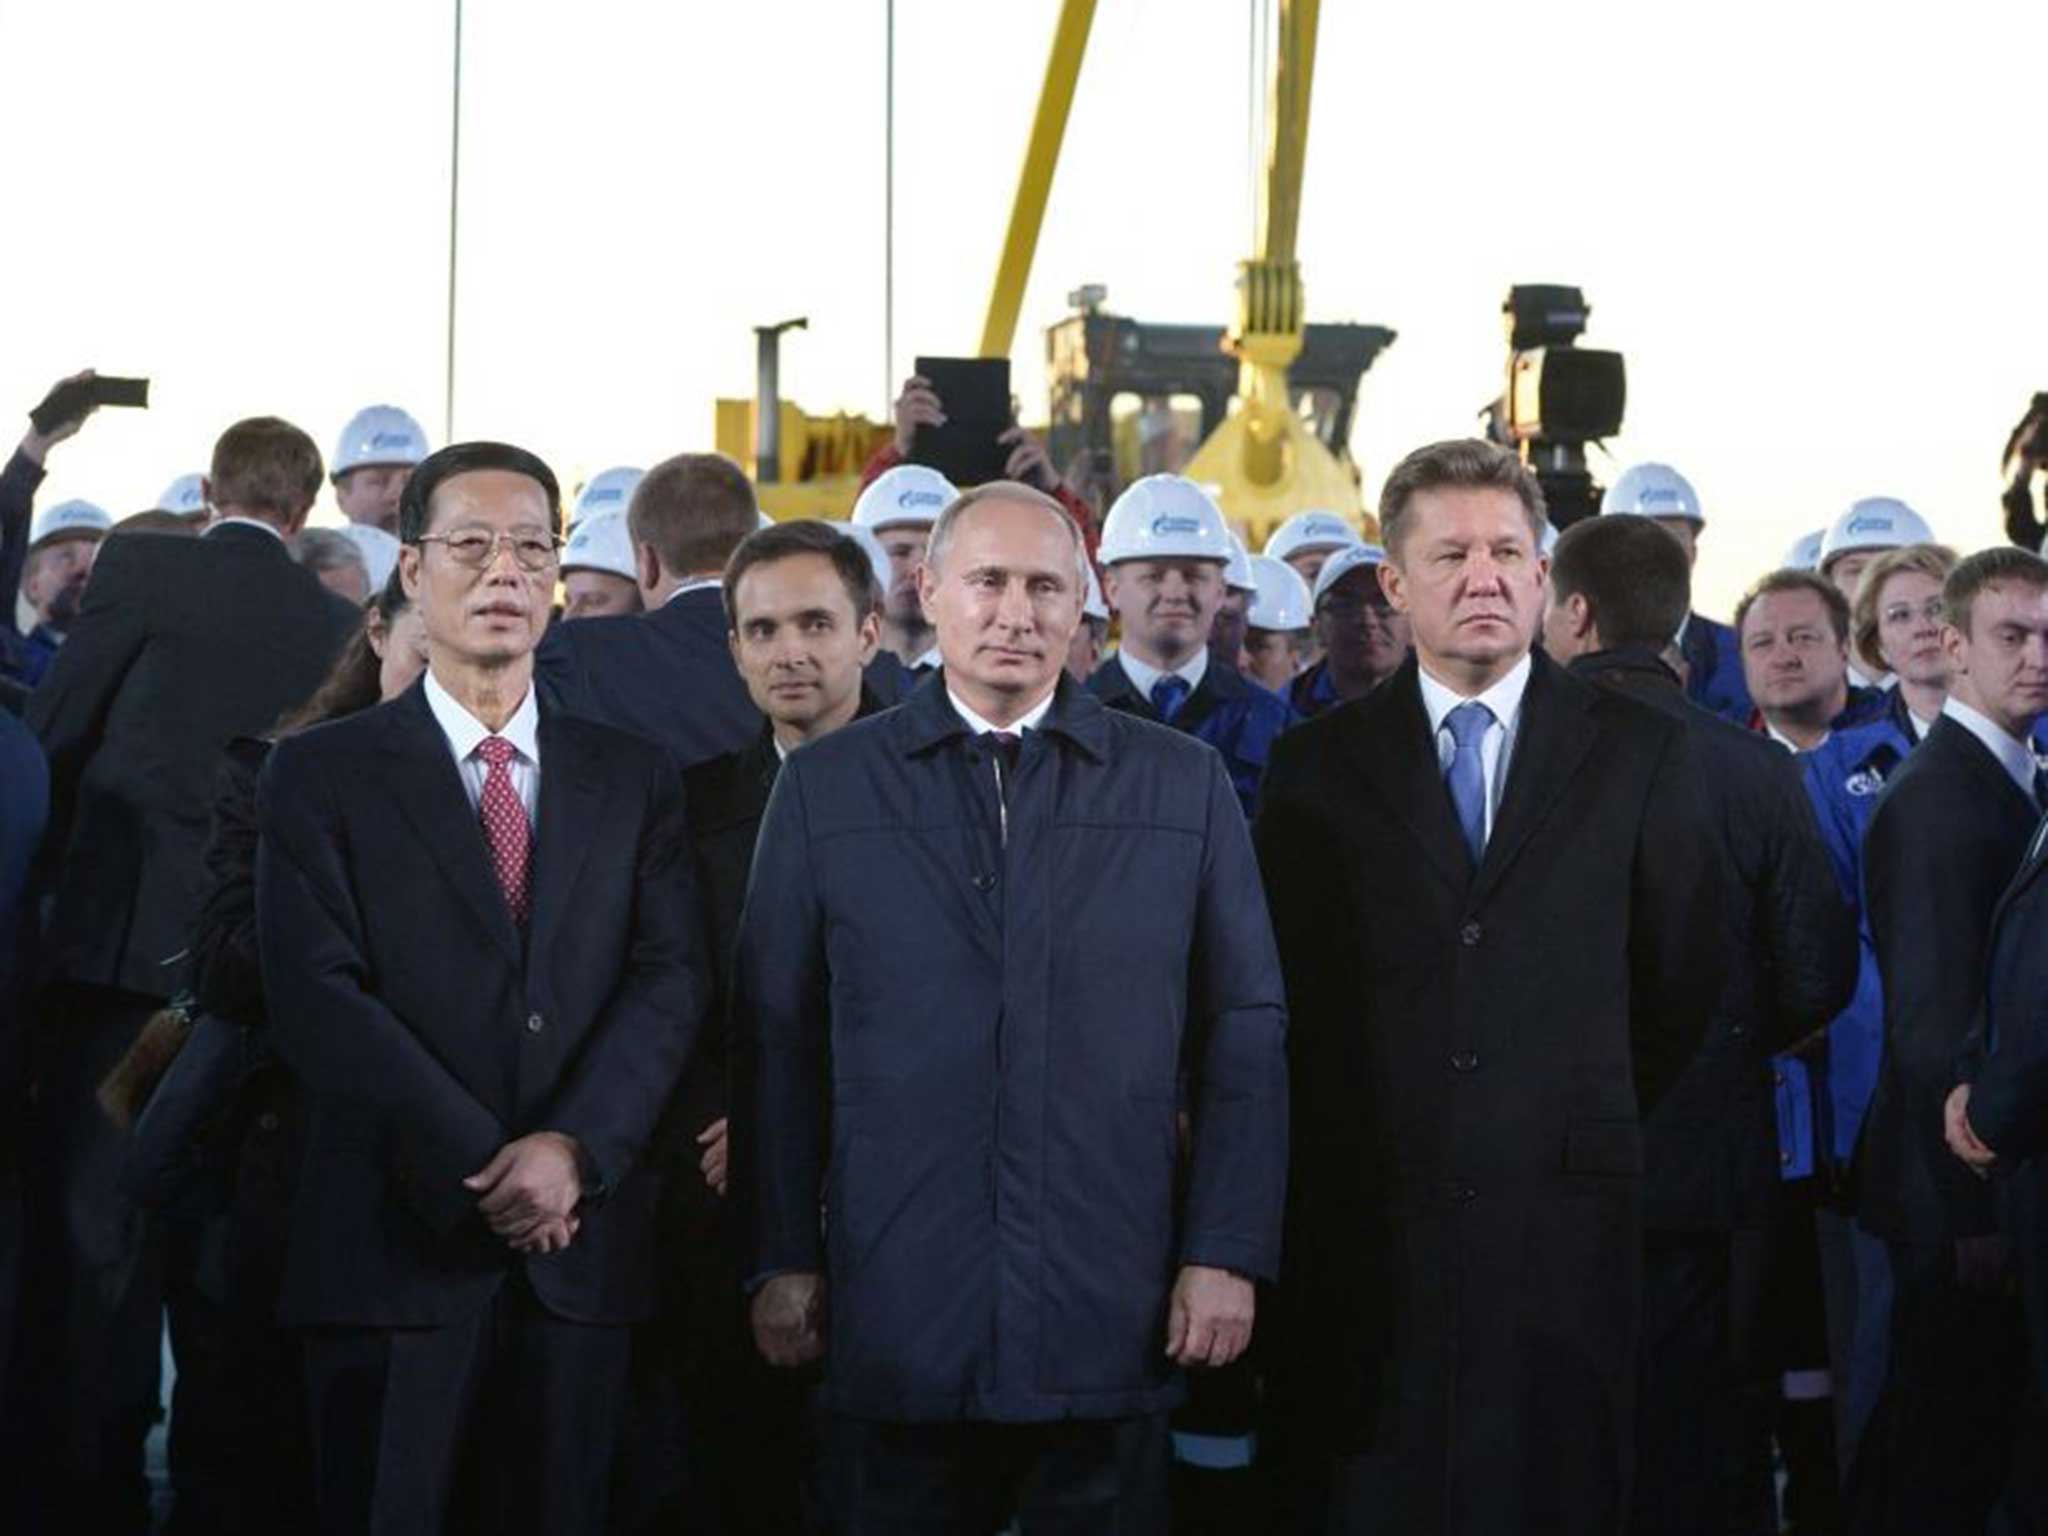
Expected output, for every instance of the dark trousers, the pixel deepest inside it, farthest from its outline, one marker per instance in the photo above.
(1688, 1399)
(87, 1359)
(1077, 1477)
(1938, 1450)
(503, 1422)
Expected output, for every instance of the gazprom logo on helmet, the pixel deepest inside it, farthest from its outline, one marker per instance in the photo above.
(1166, 524)
(603, 493)
(1872, 522)
(910, 500)
(1325, 528)
(390, 439)
(1662, 495)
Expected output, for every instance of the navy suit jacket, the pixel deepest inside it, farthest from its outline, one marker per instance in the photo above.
(666, 675)
(428, 1030)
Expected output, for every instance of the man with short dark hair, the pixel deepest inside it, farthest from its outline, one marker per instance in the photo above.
(1016, 1249)
(1363, 640)
(1793, 627)
(806, 620)
(1489, 882)
(666, 674)
(482, 960)
(1950, 830)
(181, 645)
(1619, 587)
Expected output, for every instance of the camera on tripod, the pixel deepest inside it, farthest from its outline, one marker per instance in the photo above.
(1559, 397)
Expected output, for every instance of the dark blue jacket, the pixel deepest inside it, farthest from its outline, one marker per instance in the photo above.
(1233, 714)
(24, 808)
(966, 1033)
(1713, 663)
(666, 674)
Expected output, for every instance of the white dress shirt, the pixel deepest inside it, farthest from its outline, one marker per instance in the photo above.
(2016, 757)
(1504, 699)
(1028, 721)
(694, 584)
(464, 731)
(246, 522)
(930, 658)
(1143, 675)
(1789, 744)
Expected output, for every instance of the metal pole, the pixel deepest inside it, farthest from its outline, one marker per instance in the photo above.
(768, 399)
(454, 204)
(889, 212)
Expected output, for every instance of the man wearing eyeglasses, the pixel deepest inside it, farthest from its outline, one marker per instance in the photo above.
(482, 955)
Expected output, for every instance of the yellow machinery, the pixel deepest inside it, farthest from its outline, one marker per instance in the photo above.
(1265, 461)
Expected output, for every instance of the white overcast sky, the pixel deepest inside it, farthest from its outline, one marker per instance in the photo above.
(1816, 229)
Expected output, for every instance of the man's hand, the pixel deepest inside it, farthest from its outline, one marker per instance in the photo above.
(528, 1192)
(1209, 1320)
(2026, 451)
(788, 1315)
(918, 406)
(36, 445)
(1962, 1140)
(712, 1164)
(1028, 461)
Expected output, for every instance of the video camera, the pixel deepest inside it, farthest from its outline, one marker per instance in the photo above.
(1559, 396)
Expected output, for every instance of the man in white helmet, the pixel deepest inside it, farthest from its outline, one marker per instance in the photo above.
(1276, 637)
(899, 507)
(19, 480)
(63, 541)
(1164, 548)
(598, 571)
(1364, 639)
(372, 461)
(1309, 538)
(1866, 530)
(1713, 660)
(609, 490)
(1226, 631)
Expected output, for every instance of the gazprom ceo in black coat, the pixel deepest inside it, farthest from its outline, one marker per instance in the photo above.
(1490, 889)
(1016, 1247)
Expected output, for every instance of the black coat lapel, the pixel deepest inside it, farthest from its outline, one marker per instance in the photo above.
(1390, 737)
(571, 791)
(1552, 737)
(431, 797)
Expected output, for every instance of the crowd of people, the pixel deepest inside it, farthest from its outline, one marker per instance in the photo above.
(667, 1020)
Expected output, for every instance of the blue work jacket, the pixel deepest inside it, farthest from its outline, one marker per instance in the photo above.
(1230, 712)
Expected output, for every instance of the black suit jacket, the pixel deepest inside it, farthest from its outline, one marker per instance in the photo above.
(428, 1030)
(666, 675)
(1791, 960)
(2008, 1066)
(182, 645)
(1947, 835)
(1471, 1054)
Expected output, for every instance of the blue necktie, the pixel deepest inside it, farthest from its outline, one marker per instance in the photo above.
(1169, 694)
(1466, 777)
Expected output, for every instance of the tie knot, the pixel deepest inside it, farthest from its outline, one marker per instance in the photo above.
(1468, 722)
(496, 751)
(1169, 693)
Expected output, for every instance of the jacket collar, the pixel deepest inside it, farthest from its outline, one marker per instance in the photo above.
(927, 718)
(1626, 666)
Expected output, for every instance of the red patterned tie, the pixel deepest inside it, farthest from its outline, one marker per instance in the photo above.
(505, 827)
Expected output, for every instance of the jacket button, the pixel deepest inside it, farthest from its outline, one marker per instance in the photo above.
(1470, 934)
(1465, 1061)
(984, 882)
(535, 1023)
(266, 1121)
(1785, 1158)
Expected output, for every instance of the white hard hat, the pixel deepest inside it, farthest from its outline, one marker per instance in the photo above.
(378, 434)
(68, 518)
(909, 493)
(878, 557)
(1093, 605)
(1653, 490)
(1804, 555)
(1875, 522)
(609, 490)
(1237, 575)
(184, 496)
(1282, 600)
(1164, 517)
(1342, 564)
(378, 549)
(1308, 531)
(600, 542)
(1547, 545)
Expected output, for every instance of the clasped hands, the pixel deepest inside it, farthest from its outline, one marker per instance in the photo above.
(529, 1191)
(1208, 1318)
